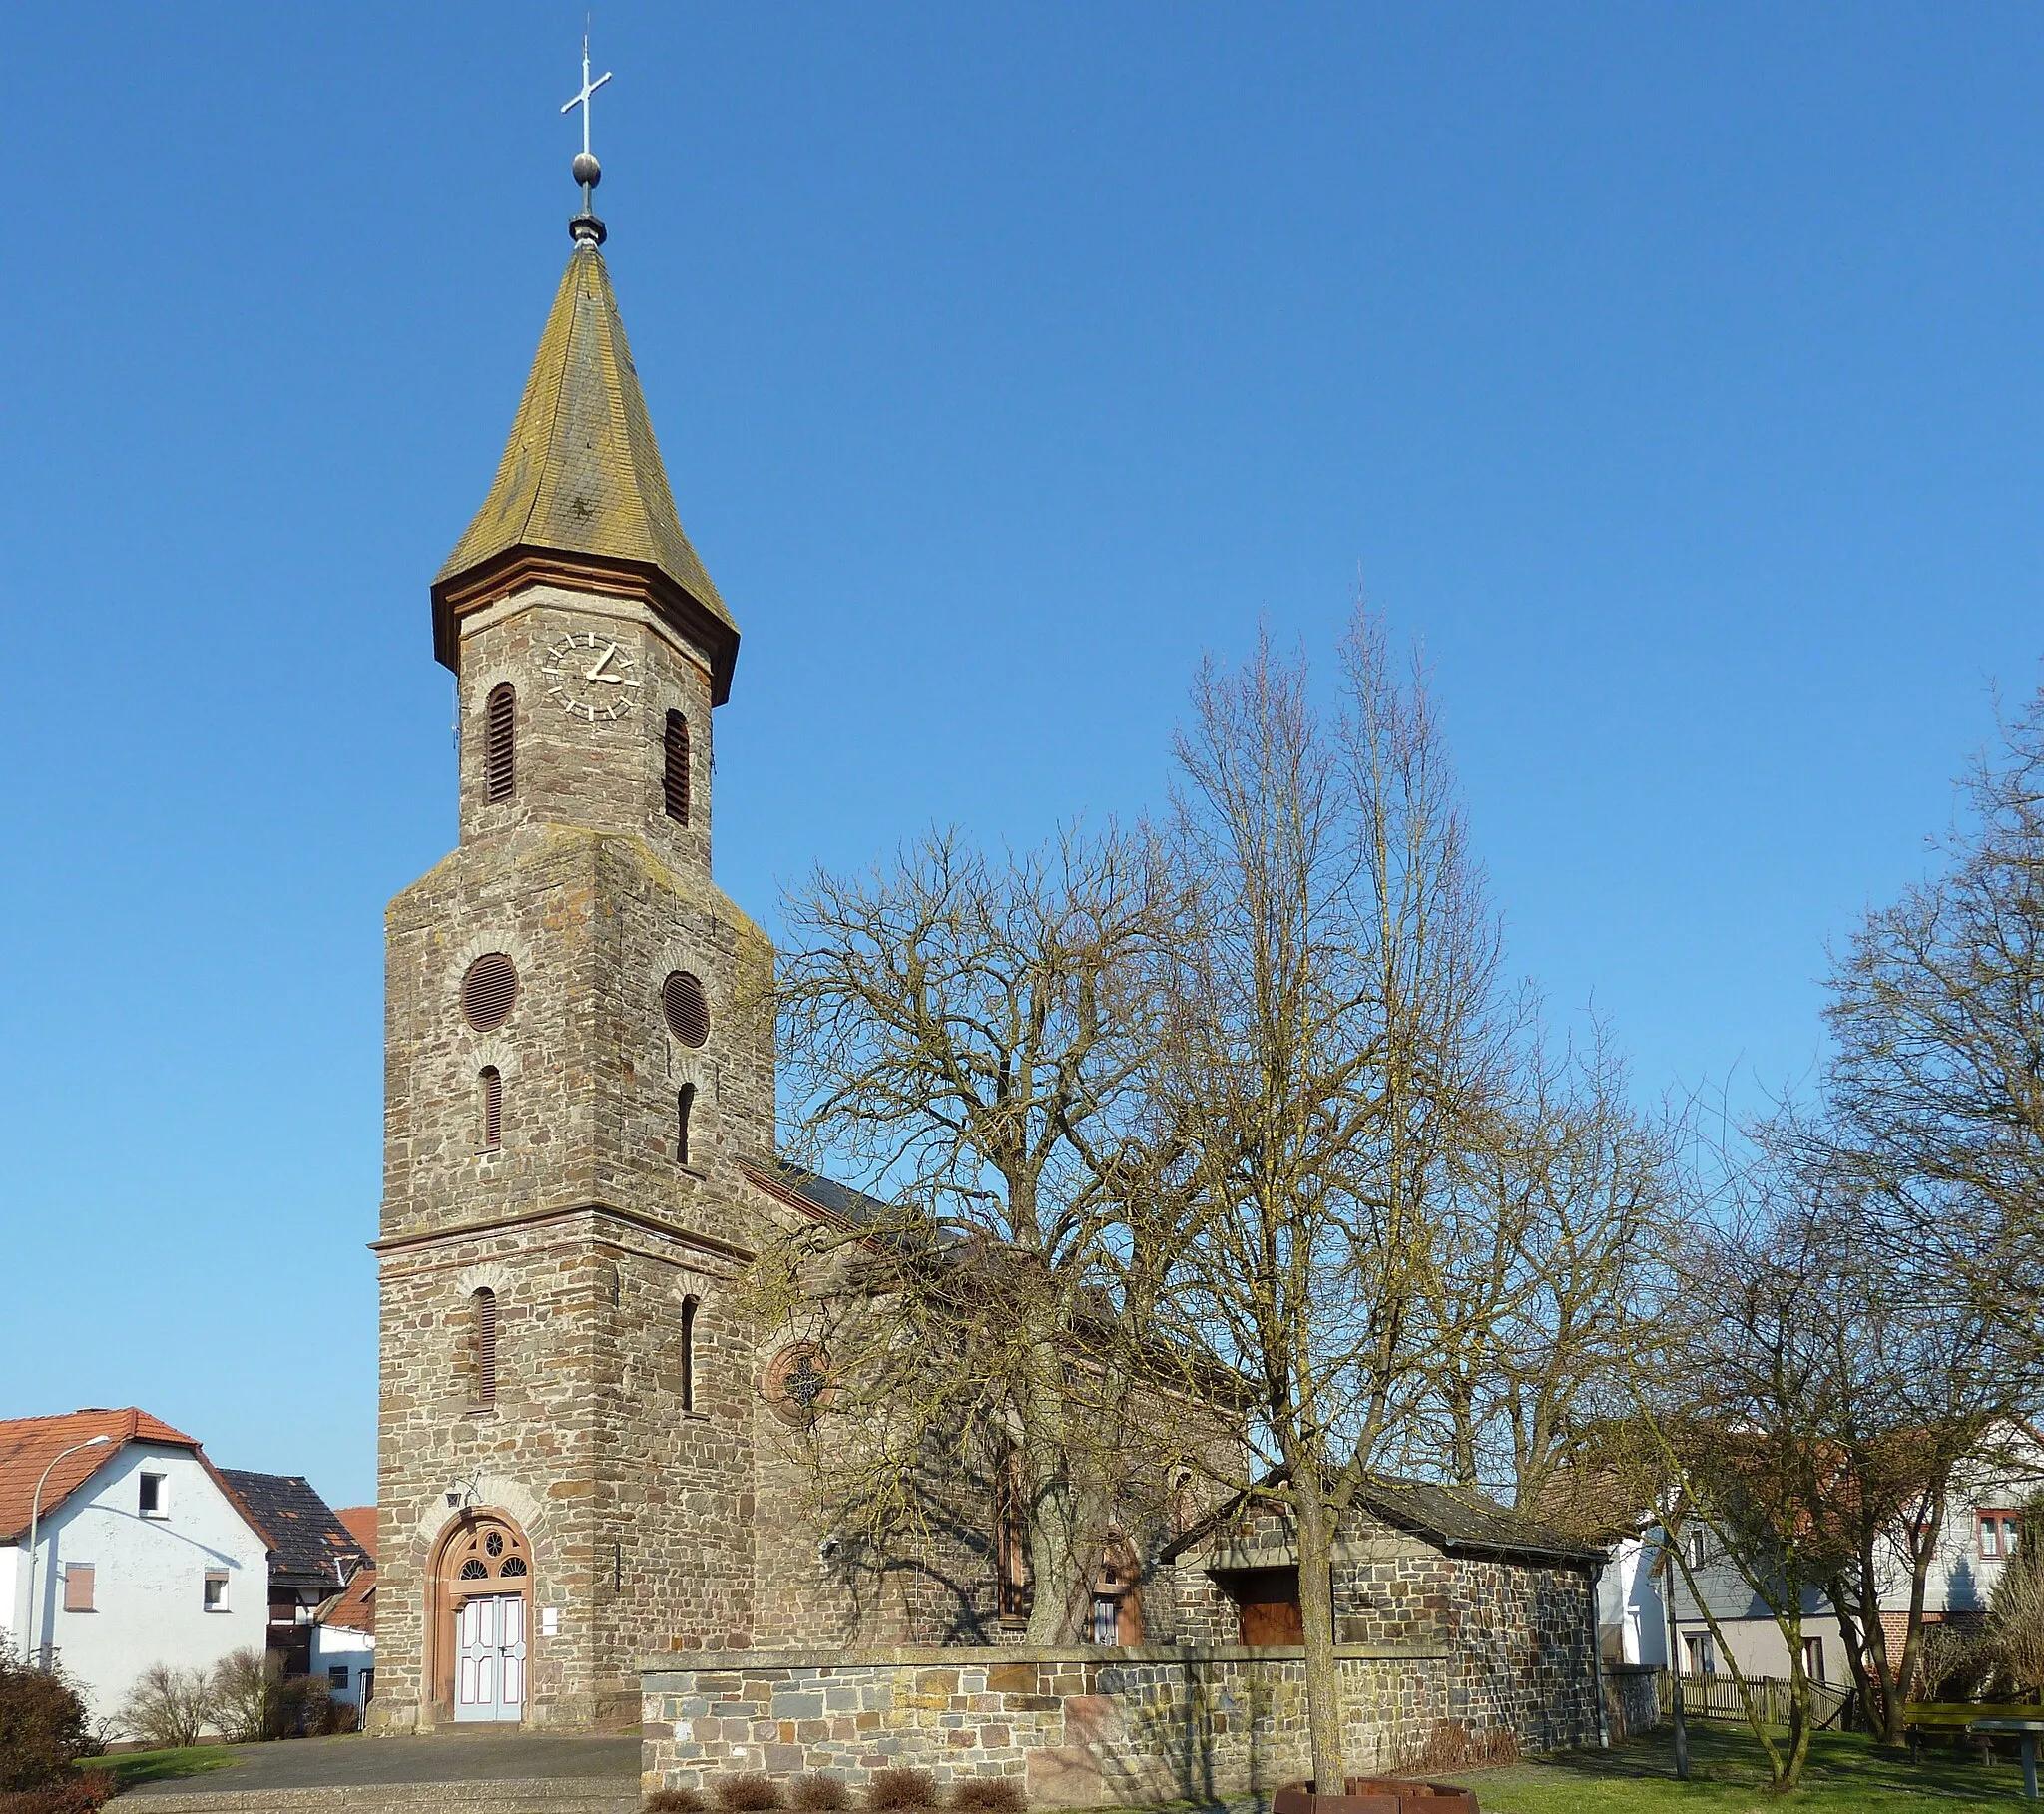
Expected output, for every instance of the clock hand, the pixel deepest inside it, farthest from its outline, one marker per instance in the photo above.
(597, 673)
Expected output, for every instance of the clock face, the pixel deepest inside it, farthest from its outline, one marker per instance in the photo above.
(589, 676)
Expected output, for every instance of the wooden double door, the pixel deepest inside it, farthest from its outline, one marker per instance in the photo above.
(489, 1657)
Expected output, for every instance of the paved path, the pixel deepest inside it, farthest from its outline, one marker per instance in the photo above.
(359, 1762)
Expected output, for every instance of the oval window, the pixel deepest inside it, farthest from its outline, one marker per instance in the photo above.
(488, 989)
(687, 1008)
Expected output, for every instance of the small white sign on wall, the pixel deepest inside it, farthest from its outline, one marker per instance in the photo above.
(550, 1622)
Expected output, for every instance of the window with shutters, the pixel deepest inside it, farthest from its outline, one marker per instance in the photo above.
(78, 1580)
(483, 1356)
(688, 1353)
(492, 1107)
(675, 771)
(685, 1106)
(500, 743)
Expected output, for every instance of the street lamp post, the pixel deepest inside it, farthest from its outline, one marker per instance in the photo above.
(35, 1512)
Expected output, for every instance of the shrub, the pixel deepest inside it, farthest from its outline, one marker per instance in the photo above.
(748, 1792)
(250, 1697)
(339, 1716)
(242, 1696)
(989, 1795)
(82, 1794)
(676, 1801)
(43, 1724)
(1954, 1661)
(168, 1707)
(901, 1789)
(818, 1794)
(2015, 1614)
(303, 1702)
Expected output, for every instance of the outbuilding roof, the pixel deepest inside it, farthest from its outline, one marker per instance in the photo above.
(1454, 1518)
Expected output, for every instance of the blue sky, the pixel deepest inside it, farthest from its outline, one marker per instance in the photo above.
(1673, 371)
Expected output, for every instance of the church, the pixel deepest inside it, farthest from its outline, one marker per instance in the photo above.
(586, 1516)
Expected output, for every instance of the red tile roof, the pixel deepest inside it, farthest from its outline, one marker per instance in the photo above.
(354, 1606)
(361, 1526)
(28, 1445)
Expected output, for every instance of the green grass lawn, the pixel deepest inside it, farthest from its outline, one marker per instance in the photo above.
(1729, 1771)
(131, 1767)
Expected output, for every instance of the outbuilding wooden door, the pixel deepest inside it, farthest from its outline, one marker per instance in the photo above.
(1267, 1601)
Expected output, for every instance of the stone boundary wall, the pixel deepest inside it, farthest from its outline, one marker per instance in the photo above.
(1079, 1726)
(1632, 1698)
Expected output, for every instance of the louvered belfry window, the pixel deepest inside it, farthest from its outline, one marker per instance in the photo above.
(493, 1107)
(675, 777)
(500, 745)
(687, 1008)
(483, 1394)
(488, 989)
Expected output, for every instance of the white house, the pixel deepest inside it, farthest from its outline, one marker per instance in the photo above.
(143, 1554)
(1632, 1618)
(1983, 1522)
(344, 1627)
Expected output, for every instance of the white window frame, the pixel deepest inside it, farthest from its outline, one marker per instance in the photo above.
(162, 1507)
(207, 1601)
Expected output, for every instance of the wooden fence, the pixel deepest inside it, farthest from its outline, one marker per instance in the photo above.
(1718, 1697)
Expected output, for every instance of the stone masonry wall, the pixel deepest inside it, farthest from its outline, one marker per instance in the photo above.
(1076, 1727)
(1632, 1698)
(1521, 1628)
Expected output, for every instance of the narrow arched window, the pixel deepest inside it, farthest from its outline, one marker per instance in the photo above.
(675, 776)
(493, 1107)
(500, 745)
(688, 1354)
(685, 1106)
(1011, 1538)
(483, 1335)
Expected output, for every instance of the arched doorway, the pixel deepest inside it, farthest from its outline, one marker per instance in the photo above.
(1116, 1617)
(480, 1617)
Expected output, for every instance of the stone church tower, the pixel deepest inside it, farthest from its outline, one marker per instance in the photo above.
(573, 1083)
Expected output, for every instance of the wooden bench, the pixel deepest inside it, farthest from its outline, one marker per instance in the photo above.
(1953, 1718)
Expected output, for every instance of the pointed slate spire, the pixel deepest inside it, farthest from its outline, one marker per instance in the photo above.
(581, 491)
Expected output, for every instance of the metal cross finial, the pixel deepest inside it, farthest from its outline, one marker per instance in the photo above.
(586, 227)
(589, 88)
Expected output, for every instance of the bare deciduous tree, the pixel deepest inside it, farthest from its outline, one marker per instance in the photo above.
(1330, 1033)
(1935, 1101)
(965, 1036)
(1735, 1400)
(1543, 1295)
